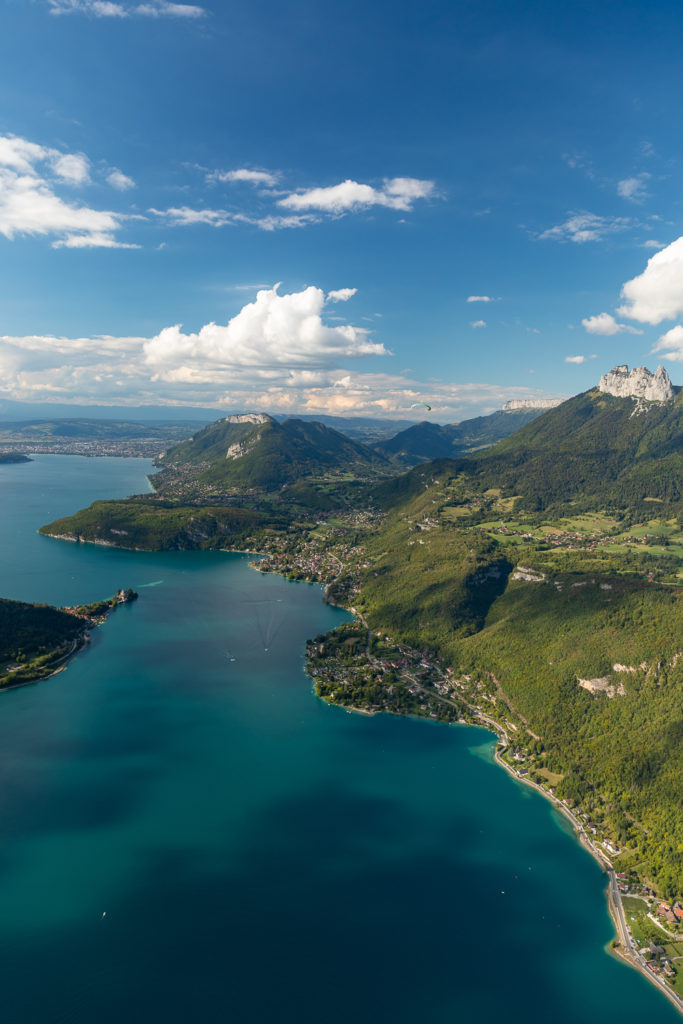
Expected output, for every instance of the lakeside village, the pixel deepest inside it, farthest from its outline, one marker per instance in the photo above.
(369, 672)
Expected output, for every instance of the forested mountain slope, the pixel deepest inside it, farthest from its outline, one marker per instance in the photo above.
(426, 441)
(257, 451)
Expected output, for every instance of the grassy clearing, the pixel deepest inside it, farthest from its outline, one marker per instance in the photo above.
(552, 778)
(452, 512)
(594, 522)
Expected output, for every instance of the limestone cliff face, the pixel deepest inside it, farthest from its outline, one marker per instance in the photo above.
(531, 403)
(248, 417)
(637, 383)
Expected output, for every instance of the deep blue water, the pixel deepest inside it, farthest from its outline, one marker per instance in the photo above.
(256, 854)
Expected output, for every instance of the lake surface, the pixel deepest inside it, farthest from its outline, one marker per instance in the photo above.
(257, 855)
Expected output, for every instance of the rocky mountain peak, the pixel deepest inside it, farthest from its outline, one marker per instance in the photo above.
(248, 417)
(638, 383)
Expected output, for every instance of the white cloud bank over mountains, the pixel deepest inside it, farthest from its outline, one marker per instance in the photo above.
(277, 353)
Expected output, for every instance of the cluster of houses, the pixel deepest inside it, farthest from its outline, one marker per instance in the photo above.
(658, 962)
(672, 913)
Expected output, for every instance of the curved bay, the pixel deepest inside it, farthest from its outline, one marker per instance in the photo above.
(258, 855)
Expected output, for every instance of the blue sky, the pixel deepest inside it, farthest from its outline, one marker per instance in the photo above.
(317, 207)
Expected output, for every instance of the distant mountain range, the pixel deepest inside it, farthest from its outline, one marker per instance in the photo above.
(426, 441)
(255, 450)
(71, 429)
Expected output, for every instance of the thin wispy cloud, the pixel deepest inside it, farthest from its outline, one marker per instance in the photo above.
(184, 216)
(271, 211)
(480, 298)
(634, 189)
(265, 178)
(585, 227)
(108, 9)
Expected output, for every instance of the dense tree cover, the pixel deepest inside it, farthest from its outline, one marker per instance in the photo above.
(7, 457)
(27, 630)
(163, 526)
(622, 755)
(592, 446)
(426, 441)
(36, 638)
(591, 449)
(268, 455)
(449, 591)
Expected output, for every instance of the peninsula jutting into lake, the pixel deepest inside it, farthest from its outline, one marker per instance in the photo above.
(533, 587)
(348, 338)
(313, 822)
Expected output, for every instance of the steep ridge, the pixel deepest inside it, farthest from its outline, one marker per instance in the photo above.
(592, 446)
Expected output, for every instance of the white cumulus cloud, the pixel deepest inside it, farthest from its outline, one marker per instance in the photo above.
(341, 294)
(657, 293)
(477, 323)
(479, 298)
(670, 345)
(30, 174)
(73, 168)
(120, 181)
(604, 323)
(575, 359)
(396, 193)
(273, 331)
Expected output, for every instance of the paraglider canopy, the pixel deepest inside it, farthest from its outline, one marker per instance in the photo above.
(421, 405)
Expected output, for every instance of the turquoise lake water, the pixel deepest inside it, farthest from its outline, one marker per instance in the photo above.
(257, 855)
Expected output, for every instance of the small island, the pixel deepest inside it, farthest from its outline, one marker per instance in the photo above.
(37, 640)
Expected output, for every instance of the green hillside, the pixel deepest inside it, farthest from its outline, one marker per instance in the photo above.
(153, 525)
(549, 559)
(426, 441)
(593, 446)
(593, 450)
(258, 452)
